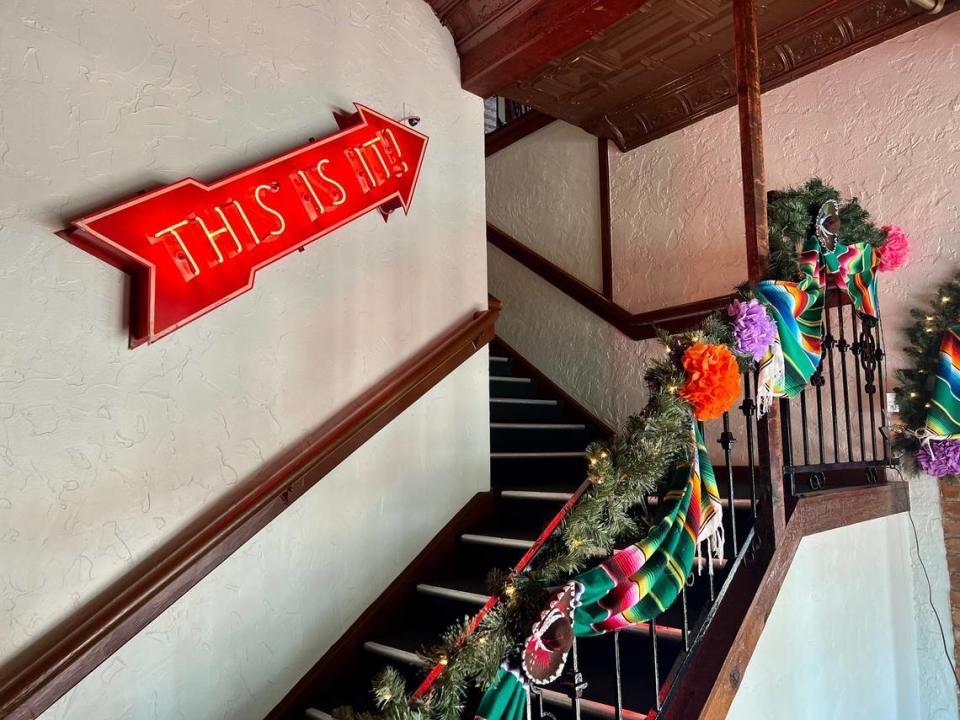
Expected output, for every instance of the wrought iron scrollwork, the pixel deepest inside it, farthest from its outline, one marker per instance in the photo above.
(817, 481)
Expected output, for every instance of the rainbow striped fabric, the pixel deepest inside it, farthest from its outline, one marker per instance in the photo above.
(797, 307)
(943, 418)
(643, 580)
(638, 582)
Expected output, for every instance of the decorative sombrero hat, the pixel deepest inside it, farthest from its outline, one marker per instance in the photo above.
(545, 651)
(828, 224)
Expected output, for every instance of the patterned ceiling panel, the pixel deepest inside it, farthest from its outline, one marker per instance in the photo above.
(668, 63)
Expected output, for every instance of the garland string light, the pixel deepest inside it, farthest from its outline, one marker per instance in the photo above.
(812, 235)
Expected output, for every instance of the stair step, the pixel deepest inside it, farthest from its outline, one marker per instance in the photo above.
(560, 454)
(536, 426)
(314, 714)
(507, 386)
(664, 632)
(453, 594)
(539, 436)
(588, 707)
(509, 542)
(395, 654)
(561, 495)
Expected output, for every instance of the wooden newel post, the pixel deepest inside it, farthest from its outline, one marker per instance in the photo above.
(772, 517)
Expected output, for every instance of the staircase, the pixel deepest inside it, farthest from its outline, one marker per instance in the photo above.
(537, 439)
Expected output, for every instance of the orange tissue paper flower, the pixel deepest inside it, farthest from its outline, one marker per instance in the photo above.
(713, 380)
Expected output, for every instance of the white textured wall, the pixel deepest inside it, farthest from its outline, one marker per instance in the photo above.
(237, 642)
(560, 218)
(833, 645)
(882, 125)
(105, 452)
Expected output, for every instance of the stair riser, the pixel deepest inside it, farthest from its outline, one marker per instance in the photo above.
(526, 412)
(516, 439)
(512, 389)
(530, 472)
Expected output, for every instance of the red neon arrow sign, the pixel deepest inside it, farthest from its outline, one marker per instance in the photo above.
(190, 247)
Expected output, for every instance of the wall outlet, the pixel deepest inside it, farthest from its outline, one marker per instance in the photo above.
(892, 405)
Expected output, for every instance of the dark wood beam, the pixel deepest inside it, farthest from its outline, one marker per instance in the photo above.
(525, 35)
(747, 51)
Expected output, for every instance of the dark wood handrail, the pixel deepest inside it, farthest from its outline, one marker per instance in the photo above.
(36, 678)
(638, 326)
(516, 129)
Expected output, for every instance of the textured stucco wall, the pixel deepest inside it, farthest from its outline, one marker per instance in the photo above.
(882, 125)
(560, 219)
(833, 644)
(105, 452)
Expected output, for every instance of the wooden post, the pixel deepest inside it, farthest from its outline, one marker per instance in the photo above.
(606, 249)
(772, 517)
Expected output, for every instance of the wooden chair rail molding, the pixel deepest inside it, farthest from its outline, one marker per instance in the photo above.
(515, 130)
(710, 681)
(639, 326)
(35, 679)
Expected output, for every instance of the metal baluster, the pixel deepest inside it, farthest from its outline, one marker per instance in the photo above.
(843, 346)
(817, 381)
(748, 408)
(616, 663)
(686, 621)
(803, 427)
(829, 342)
(576, 689)
(855, 350)
(656, 661)
(786, 429)
(727, 441)
(883, 395)
(868, 360)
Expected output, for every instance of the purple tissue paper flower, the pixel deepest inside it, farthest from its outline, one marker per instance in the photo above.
(944, 460)
(754, 329)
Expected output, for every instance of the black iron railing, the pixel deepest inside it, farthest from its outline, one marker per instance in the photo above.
(500, 111)
(832, 437)
(832, 433)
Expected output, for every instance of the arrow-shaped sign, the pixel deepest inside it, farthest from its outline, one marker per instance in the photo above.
(191, 247)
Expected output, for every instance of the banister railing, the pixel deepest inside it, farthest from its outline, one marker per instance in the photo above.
(675, 640)
(35, 679)
(636, 326)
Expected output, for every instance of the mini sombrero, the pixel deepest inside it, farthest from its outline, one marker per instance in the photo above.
(545, 651)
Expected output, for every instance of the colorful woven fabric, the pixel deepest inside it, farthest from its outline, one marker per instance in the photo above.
(643, 580)
(943, 418)
(506, 699)
(797, 307)
(854, 269)
(639, 582)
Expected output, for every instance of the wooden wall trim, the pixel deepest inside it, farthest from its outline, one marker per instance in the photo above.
(343, 657)
(36, 678)
(707, 686)
(606, 243)
(639, 326)
(515, 130)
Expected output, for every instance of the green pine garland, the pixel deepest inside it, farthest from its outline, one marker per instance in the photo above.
(791, 215)
(915, 384)
(612, 512)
